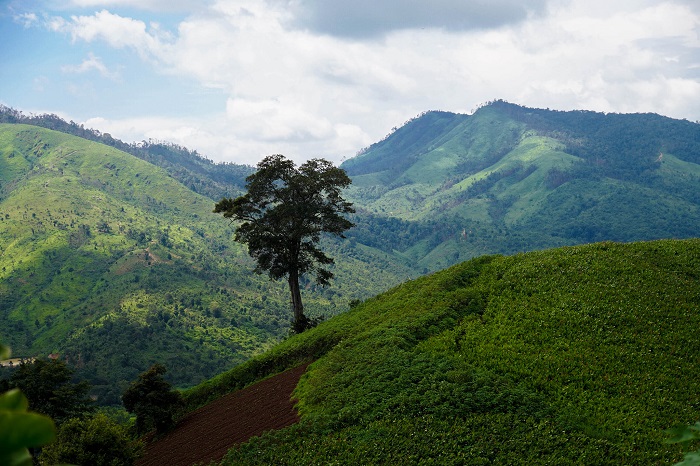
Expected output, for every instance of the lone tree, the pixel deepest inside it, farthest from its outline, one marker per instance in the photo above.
(283, 215)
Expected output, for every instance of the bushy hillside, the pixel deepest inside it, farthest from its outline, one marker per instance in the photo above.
(115, 261)
(578, 355)
(114, 264)
(508, 179)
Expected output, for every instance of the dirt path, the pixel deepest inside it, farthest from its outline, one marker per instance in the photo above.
(207, 434)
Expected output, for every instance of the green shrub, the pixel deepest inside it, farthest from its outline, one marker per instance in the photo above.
(153, 401)
(93, 440)
(20, 429)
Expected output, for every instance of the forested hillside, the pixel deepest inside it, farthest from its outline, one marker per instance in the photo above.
(193, 170)
(446, 187)
(576, 355)
(111, 262)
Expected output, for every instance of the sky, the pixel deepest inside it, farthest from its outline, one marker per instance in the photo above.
(237, 80)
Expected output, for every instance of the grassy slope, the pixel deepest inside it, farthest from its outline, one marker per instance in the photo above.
(109, 261)
(578, 355)
(87, 231)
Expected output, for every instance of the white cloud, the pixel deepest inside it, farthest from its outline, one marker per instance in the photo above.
(40, 83)
(608, 61)
(152, 5)
(294, 83)
(117, 31)
(26, 19)
(271, 120)
(89, 64)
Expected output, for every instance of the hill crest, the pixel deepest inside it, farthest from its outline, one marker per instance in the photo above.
(508, 178)
(546, 357)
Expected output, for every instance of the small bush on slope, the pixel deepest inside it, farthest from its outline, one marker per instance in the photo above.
(572, 356)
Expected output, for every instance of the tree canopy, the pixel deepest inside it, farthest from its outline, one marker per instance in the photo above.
(49, 387)
(93, 440)
(283, 214)
(153, 401)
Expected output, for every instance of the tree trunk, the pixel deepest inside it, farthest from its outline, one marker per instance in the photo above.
(300, 321)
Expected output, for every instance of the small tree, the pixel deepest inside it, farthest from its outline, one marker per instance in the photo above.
(92, 440)
(283, 215)
(153, 401)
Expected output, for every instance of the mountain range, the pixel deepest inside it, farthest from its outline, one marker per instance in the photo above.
(111, 255)
(508, 179)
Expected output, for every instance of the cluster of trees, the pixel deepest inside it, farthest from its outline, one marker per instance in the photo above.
(388, 233)
(46, 415)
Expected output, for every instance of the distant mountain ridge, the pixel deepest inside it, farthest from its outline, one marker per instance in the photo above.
(510, 178)
(187, 166)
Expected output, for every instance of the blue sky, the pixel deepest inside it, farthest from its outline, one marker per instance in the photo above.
(240, 79)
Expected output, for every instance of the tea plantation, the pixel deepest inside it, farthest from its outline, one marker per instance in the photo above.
(579, 355)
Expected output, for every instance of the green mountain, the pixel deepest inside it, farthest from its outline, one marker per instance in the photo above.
(447, 187)
(110, 254)
(115, 264)
(196, 172)
(575, 355)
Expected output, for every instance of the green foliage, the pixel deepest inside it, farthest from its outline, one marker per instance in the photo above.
(578, 355)
(153, 401)
(94, 440)
(685, 435)
(114, 261)
(20, 429)
(49, 387)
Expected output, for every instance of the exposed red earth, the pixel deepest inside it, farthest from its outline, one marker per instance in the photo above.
(208, 433)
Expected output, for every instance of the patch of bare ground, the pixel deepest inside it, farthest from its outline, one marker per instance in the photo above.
(208, 433)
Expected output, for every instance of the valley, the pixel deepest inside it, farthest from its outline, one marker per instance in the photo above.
(114, 264)
(111, 257)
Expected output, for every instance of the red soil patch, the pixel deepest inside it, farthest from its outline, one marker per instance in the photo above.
(208, 433)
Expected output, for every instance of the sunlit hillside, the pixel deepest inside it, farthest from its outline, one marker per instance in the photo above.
(578, 355)
(114, 264)
(447, 187)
